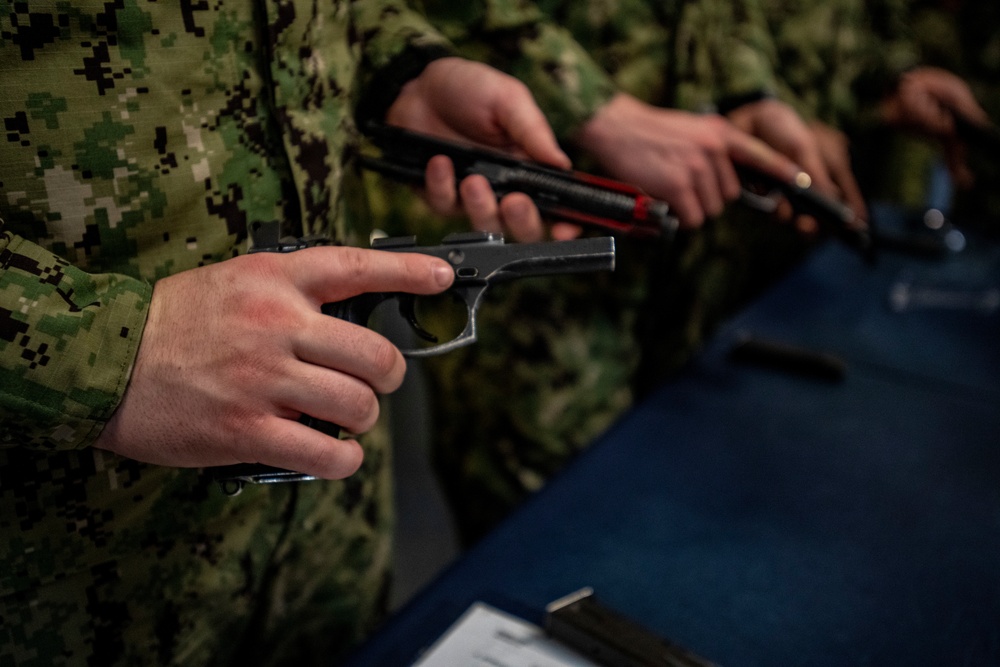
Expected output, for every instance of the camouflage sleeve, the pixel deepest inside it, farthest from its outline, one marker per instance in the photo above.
(742, 52)
(835, 59)
(67, 343)
(391, 28)
(518, 38)
(894, 39)
(888, 48)
(814, 51)
(575, 55)
(397, 43)
(566, 82)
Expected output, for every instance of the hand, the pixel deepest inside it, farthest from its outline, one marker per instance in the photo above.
(834, 148)
(926, 101)
(455, 98)
(682, 158)
(780, 127)
(233, 353)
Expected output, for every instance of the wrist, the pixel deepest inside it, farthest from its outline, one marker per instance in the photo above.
(604, 127)
(386, 86)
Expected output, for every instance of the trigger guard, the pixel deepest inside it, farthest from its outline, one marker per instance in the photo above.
(462, 340)
(468, 336)
(407, 304)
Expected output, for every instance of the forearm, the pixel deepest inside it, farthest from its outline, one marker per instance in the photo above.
(67, 343)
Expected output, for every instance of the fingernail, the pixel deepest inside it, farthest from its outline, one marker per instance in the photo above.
(443, 275)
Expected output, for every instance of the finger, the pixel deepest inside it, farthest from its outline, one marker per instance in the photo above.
(956, 159)
(350, 348)
(938, 119)
(805, 153)
(819, 176)
(527, 127)
(287, 444)
(329, 395)
(564, 231)
(752, 152)
(725, 173)
(956, 96)
(784, 212)
(970, 108)
(480, 204)
(328, 274)
(439, 183)
(688, 208)
(707, 187)
(520, 215)
(843, 178)
(925, 111)
(807, 225)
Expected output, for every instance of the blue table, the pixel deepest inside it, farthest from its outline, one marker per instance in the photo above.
(765, 518)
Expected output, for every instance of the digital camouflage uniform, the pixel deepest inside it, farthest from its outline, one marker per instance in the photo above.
(964, 38)
(560, 359)
(833, 59)
(838, 58)
(142, 139)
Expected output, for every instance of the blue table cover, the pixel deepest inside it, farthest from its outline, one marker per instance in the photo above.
(758, 517)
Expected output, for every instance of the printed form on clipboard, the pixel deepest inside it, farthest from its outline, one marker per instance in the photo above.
(487, 637)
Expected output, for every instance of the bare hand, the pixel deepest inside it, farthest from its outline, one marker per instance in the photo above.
(926, 101)
(455, 98)
(682, 158)
(834, 148)
(779, 126)
(234, 353)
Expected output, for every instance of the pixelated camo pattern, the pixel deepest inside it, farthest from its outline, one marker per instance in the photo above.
(966, 40)
(140, 139)
(835, 58)
(963, 38)
(823, 51)
(515, 37)
(575, 54)
(679, 53)
(559, 360)
(690, 54)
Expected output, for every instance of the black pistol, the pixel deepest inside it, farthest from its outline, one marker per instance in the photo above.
(480, 260)
(559, 194)
(833, 217)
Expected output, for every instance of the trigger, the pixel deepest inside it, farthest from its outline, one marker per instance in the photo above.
(407, 311)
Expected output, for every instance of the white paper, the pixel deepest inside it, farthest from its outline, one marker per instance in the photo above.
(487, 637)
